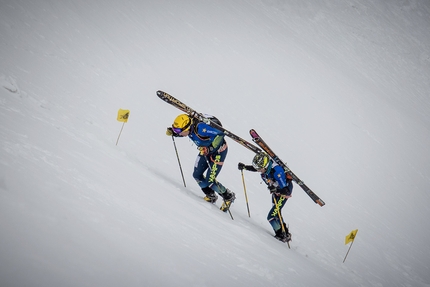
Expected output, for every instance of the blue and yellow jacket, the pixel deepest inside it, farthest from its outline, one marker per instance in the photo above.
(275, 176)
(204, 135)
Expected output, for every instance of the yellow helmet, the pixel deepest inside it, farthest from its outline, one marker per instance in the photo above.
(181, 123)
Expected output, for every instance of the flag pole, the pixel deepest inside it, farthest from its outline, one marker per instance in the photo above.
(350, 238)
(348, 251)
(120, 133)
(122, 117)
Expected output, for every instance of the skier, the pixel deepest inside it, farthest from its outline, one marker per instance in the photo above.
(212, 153)
(280, 186)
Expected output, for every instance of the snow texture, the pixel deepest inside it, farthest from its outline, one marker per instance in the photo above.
(339, 89)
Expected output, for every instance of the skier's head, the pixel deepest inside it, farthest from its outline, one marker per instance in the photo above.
(182, 123)
(261, 160)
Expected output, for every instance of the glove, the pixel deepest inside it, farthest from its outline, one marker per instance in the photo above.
(204, 150)
(272, 189)
(241, 166)
(284, 192)
(170, 133)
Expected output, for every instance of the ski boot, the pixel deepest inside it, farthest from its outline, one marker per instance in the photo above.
(229, 198)
(283, 236)
(210, 195)
(287, 232)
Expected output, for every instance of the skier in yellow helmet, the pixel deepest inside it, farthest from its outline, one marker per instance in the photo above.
(212, 153)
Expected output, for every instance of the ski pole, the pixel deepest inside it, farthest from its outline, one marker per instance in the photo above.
(179, 162)
(228, 207)
(246, 196)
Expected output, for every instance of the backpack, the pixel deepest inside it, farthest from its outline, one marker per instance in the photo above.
(213, 119)
(196, 122)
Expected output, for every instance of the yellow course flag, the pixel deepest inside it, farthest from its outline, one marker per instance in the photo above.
(350, 237)
(123, 115)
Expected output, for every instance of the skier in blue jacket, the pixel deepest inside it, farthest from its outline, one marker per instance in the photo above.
(212, 153)
(280, 186)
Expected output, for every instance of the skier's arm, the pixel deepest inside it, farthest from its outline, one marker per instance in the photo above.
(242, 166)
(283, 185)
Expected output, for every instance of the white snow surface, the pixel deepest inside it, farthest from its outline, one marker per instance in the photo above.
(338, 88)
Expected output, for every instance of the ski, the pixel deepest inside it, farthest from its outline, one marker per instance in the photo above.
(255, 138)
(262, 144)
(191, 112)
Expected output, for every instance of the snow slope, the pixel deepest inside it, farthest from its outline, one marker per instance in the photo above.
(339, 89)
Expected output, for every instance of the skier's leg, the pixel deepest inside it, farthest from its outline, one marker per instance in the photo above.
(200, 166)
(273, 216)
(216, 162)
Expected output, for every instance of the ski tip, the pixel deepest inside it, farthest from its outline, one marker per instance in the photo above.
(320, 202)
(164, 96)
(253, 134)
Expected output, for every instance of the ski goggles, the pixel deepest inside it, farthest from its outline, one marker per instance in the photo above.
(177, 130)
(180, 130)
